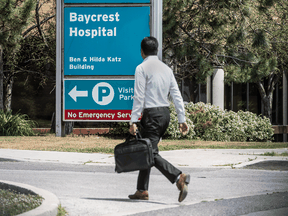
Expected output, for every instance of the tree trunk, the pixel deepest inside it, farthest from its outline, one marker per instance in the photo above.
(53, 126)
(8, 94)
(267, 99)
(1, 78)
(267, 103)
(69, 127)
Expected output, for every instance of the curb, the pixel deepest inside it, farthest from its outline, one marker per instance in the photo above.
(49, 206)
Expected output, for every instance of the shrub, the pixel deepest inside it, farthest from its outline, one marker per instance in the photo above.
(213, 123)
(119, 129)
(15, 125)
(173, 131)
(233, 127)
(257, 128)
(209, 122)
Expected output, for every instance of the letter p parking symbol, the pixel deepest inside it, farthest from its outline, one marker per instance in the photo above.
(103, 93)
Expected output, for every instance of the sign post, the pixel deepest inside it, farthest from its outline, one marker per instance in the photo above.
(59, 127)
(98, 49)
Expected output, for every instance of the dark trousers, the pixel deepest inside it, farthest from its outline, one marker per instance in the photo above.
(154, 123)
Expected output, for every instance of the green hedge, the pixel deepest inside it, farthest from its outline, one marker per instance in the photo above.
(213, 123)
(122, 128)
(208, 122)
(173, 132)
(119, 129)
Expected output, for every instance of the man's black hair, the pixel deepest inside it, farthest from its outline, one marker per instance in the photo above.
(149, 45)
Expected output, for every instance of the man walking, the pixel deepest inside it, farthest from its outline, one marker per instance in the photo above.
(154, 80)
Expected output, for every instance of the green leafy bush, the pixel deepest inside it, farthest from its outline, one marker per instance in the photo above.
(213, 123)
(173, 131)
(119, 129)
(257, 128)
(15, 125)
(208, 122)
(233, 127)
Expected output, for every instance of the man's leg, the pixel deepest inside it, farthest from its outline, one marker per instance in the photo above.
(151, 122)
(143, 180)
(166, 168)
(155, 121)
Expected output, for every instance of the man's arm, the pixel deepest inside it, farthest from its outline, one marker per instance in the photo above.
(179, 106)
(139, 96)
(177, 99)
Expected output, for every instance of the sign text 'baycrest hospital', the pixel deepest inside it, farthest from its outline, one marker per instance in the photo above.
(104, 40)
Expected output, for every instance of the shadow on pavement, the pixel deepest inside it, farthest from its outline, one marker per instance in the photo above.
(269, 165)
(124, 200)
(8, 160)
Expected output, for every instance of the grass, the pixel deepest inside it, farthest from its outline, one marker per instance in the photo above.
(103, 144)
(61, 211)
(14, 203)
(275, 154)
(88, 150)
(249, 159)
(231, 165)
(218, 199)
(167, 145)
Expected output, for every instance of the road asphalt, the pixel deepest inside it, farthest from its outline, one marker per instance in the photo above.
(223, 182)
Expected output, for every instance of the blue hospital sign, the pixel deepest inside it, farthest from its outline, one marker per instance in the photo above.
(104, 40)
(98, 100)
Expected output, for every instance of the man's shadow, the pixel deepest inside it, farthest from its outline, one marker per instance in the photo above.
(125, 200)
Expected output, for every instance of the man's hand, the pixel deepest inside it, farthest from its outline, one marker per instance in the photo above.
(133, 129)
(184, 128)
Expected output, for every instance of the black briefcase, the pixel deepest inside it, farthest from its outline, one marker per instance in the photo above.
(133, 154)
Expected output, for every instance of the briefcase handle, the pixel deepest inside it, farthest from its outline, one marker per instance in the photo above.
(137, 136)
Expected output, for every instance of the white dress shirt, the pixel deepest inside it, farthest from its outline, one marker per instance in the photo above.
(153, 82)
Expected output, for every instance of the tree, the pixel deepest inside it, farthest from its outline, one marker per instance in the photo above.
(262, 56)
(34, 52)
(245, 37)
(37, 56)
(195, 34)
(14, 17)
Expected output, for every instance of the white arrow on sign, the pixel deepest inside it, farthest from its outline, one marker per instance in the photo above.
(74, 93)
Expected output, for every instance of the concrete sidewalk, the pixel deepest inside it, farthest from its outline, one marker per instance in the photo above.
(212, 178)
(194, 158)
